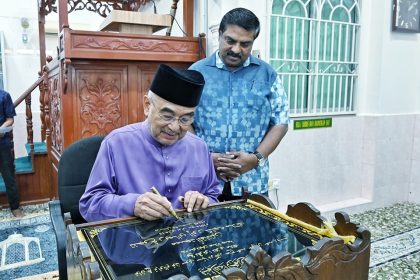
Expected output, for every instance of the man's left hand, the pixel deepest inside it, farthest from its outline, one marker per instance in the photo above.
(245, 162)
(194, 200)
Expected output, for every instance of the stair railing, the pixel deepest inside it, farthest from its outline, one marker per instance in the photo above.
(27, 96)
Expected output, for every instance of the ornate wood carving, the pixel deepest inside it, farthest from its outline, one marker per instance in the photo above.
(327, 250)
(105, 43)
(100, 105)
(264, 200)
(259, 265)
(100, 7)
(47, 110)
(76, 44)
(103, 8)
(43, 87)
(305, 212)
(54, 115)
(43, 90)
(343, 225)
(66, 63)
(47, 6)
(29, 123)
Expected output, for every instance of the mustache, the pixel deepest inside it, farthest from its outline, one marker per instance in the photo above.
(231, 53)
(170, 131)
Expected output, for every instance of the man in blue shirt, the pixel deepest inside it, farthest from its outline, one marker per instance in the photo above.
(243, 113)
(7, 168)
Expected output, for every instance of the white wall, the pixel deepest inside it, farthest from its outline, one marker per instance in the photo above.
(389, 64)
(21, 62)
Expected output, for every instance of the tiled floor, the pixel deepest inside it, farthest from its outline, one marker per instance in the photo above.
(395, 253)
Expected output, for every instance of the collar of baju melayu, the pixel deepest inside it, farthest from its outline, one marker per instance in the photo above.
(145, 128)
(220, 64)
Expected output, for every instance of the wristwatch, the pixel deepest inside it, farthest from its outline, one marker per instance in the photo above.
(260, 158)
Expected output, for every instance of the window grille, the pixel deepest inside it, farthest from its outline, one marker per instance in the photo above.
(2, 63)
(313, 47)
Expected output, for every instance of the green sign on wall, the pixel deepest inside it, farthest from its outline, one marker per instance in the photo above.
(312, 123)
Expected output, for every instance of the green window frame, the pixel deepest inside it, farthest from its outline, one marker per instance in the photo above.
(313, 47)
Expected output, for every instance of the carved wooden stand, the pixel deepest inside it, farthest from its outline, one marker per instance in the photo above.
(328, 259)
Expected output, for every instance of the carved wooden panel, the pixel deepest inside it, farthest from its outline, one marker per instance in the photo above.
(102, 97)
(54, 115)
(130, 44)
(145, 75)
(111, 46)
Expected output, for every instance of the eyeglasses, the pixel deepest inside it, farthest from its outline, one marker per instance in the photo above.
(184, 120)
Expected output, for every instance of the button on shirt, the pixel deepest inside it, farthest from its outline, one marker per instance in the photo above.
(236, 110)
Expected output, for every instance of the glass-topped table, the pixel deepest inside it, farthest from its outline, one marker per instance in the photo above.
(243, 239)
(201, 243)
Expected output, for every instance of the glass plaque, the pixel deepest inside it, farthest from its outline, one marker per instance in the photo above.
(201, 243)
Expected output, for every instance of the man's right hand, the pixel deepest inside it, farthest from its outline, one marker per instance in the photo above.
(226, 167)
(150, 206)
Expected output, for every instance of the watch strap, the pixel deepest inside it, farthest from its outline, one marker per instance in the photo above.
(260, 158)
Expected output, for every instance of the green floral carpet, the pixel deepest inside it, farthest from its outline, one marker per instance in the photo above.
(395, 252)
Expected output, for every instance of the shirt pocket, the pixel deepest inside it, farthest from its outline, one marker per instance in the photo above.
(192, 183)
(258, 92)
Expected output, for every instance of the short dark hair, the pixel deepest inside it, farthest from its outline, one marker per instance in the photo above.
(241, 17)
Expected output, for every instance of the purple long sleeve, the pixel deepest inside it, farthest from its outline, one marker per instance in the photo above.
(130, 161)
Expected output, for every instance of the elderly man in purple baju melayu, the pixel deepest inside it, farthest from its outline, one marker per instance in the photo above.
(158, 152)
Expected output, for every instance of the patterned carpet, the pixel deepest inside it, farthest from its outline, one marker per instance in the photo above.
(35, 224)
(395, 250)
(395, 253)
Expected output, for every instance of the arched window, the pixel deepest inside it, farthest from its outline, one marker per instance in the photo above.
(313, 47)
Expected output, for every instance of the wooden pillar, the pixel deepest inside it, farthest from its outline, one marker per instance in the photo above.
(63, 16)
(41, 32)
(188, 19)
(42, 61)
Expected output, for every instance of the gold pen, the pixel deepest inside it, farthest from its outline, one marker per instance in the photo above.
(173, 213)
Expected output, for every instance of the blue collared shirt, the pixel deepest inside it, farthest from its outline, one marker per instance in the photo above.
(7, 110)
(237, 109)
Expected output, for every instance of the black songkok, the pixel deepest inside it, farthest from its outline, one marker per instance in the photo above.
(181, 87)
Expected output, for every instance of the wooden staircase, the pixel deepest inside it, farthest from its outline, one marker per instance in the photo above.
(32, 177)
(33, 174)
